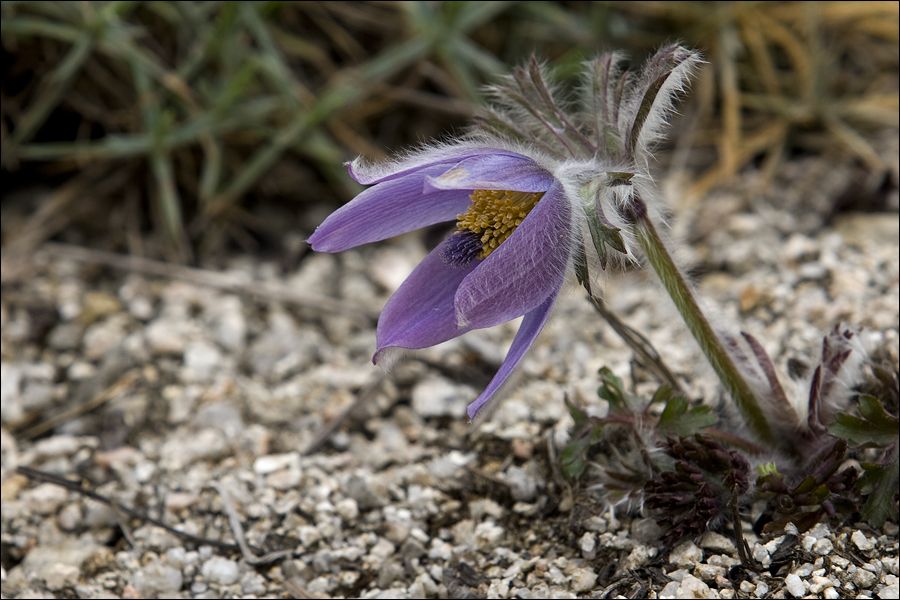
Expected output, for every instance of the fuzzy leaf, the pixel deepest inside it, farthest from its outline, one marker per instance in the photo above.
(880, 482)
(573, 458)
(676, 419)
(877, 426)
(612, 391)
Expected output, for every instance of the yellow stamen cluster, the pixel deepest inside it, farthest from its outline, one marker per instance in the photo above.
(495, 214)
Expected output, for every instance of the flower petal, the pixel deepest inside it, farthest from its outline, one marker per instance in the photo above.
(389, 209)
(368, 173)
(421, 312)
(494, 172)
(531, 326)
(524, 270)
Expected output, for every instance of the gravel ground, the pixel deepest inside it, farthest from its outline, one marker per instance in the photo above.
(200, 400)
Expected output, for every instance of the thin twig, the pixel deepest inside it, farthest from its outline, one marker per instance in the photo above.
(362, 396)
(213, 279)
(641, 346)
(237, 530)
(77, 487)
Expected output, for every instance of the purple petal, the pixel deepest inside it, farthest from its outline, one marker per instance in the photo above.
(494, 172)
(389, 209)
(528, 332)
(526, 269)
(421, 312)
(369, 173)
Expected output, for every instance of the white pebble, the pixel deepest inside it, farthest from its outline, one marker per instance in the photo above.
(220, 570)
(583, 580)
(691, 587)
(822, 547)
(347, 509)
(795, 585)
(864, 579)
(686, 554)
(889, 591)
(275, 462)
(670, 590)
(588, 545)
(861, 541)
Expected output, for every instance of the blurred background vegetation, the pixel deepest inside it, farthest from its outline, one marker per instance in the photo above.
(178, 130)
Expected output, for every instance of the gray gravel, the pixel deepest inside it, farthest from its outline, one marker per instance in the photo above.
(211, 387)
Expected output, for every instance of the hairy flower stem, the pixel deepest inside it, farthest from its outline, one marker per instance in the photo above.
(681, 294)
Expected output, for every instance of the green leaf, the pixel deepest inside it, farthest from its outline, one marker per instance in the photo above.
(573, 458)
(880, 481)
(676, 419)
(578, 415)
(612, 391)
(877, 426)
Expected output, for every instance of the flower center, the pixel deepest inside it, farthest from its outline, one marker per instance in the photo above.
(492, 218)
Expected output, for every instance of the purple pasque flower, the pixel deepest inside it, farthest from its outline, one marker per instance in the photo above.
(508, 257)
(540, 186)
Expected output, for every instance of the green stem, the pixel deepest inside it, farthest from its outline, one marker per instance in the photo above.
(699, 326)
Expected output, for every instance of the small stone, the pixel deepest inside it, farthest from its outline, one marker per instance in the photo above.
(717, 543)
(761, 590)
(889, 591)
(670, 590)
(45, 498)
(831, 594)
(488, 536)
(157, 579)
(691, 587)
(709, 572)
(523, 486)
(69, 517)
(252, 583)
(861, 541)
(347, 509)
(201, 360)
(820, 531)
(819, 583)
(103, 336)
(220, 570)
(639, 557)
(761, 555)
(583, 580)
(276, 462)
(97, 305)
(437, 397)
(412, 548)
(66, 336)
(795, 585)
(822, 547)
(864, 579)
(686, 554)
(359, 489)
(61, 575)
(588, 544)
(747, 586)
